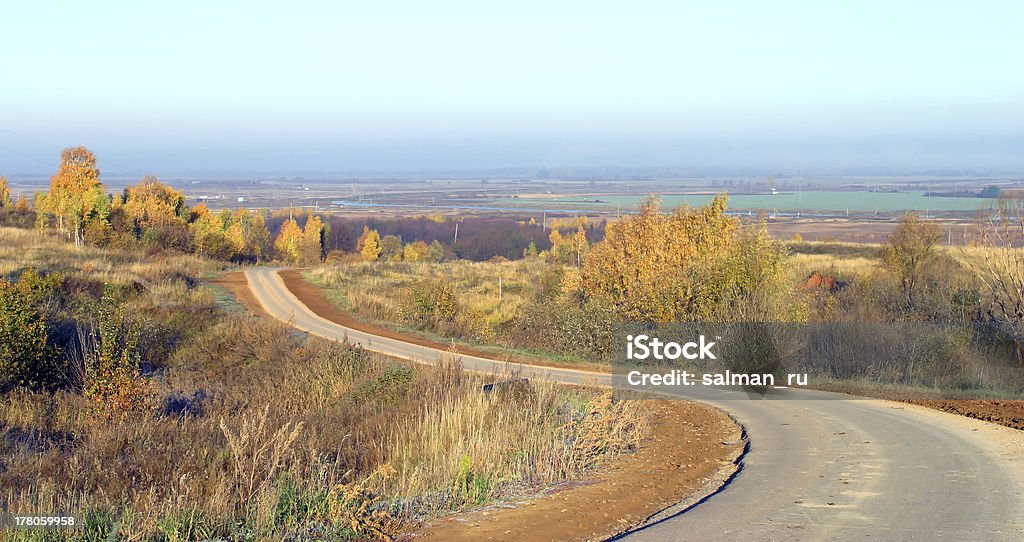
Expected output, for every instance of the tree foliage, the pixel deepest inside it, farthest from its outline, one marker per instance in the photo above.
(312, 247)
(909, 249)
(112, 379)
(368, 245)
(688, 265)
(288, 243)
(75, 195)
(5, 193)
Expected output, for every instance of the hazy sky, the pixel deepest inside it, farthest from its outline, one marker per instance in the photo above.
(335, 85)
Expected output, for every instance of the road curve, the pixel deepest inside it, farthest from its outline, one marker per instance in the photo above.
(820, 467)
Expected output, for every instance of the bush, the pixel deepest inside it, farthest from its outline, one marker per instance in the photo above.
(111, 376)
(27, 360)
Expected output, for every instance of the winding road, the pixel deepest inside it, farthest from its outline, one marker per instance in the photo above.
(820, 466)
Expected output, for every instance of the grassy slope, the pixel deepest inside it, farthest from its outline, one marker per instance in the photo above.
(256, 432)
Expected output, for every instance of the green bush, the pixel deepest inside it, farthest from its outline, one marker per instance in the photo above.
(27, 360)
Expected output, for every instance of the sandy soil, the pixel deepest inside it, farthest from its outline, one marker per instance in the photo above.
(691, 451)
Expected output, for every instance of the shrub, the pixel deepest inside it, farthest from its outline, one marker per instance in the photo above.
(27, 359)
(111, 376)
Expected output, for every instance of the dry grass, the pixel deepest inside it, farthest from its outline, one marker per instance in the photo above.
(378, 290)
(260, 433)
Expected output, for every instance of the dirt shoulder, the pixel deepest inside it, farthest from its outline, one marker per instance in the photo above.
(690, 452)
(236, 283)
(313, 297)
(1005, 412)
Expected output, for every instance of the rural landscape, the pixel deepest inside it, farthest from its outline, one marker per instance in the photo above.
(499, 272)
(129, 324)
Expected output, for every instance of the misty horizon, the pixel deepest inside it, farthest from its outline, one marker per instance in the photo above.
(401, 88)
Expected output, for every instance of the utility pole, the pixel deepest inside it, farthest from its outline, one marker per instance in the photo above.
(456, 240)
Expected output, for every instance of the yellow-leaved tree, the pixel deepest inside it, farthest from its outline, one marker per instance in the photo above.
(5, 193)
(152, 203)
(311, 248)
(689, 265)
(368, 245)
(288, 242)
(76, 195)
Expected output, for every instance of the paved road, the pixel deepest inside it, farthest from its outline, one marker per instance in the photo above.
(820, 468)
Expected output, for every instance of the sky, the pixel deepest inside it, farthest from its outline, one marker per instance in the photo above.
(333, 86)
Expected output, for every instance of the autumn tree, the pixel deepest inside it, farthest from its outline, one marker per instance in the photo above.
(288, 243)
(209, 231)
(257, 236)
(415, 251)
(75, 194)
(391, 248)
(152, 203)
(909, 249)
(311, 248)
(530, 251)
(685, 265)
(5, 193)
(561, 250)
(155, 213)
(580, 245)
(368, 244)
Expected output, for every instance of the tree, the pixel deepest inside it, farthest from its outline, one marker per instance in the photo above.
(1001, 268)
(289, 241)
(209, 231)
(5, 193)
(580, 244)
(75, 191)
(312, 247)
(909, 248)
(391, 248)
(415, 251)
(561, 250)
(530, 251)
(152, 203)
(257, 237)
(368, 244)
(435, 252)
(654, 267)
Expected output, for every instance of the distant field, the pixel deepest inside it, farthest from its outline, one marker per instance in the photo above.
(832, 201)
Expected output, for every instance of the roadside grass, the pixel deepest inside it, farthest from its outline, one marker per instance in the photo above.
(256, 432)
(491, 295)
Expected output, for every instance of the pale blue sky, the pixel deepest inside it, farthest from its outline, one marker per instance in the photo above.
(357, 85)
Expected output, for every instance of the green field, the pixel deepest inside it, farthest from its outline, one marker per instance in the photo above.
(832, 201)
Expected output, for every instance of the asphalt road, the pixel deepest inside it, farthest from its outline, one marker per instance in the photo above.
(820, 466)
